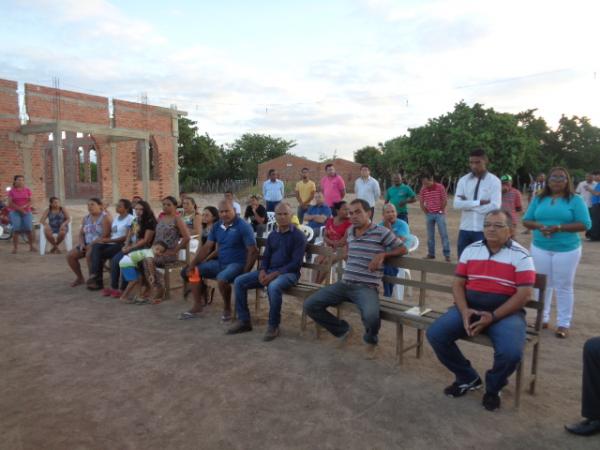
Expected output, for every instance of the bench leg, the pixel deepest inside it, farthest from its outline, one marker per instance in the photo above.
(534, 367)
(519, 380)
(420, 334)
(400, 342)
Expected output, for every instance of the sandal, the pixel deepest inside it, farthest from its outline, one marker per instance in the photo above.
(141, 301)
(188, 315)
(562, 332)
(226, 317)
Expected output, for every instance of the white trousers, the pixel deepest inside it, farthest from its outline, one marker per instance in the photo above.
(559, 268)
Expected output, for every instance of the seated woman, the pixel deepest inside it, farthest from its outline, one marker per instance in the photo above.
(58, 223)
(210, 216)
(140, 236)
(257, 214)
(94, 227)
(335, 233)
(191, 216)
(110, 246)
(172, 230)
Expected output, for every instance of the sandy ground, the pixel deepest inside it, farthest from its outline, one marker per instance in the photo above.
(78, 371)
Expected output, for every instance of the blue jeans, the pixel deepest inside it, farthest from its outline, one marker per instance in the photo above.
(219, 271)
(274, 291)
(388, 288)
(272, 205)
(440, 220)
(364, 297)
(508, 338)
(301, 211)
(21, 223)
(115, 272)
(465, 238)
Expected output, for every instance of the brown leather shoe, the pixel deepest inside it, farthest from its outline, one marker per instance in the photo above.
(562, 332)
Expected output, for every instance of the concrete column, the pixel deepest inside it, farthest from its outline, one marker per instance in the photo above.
(114, 170)
(146, 169)
(58, 167)
(175, 134)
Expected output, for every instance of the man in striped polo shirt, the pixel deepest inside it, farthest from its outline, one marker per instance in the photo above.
(368, 246)
(433, 200)
(494, 280)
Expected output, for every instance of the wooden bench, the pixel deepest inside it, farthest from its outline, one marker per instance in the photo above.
(396, 312)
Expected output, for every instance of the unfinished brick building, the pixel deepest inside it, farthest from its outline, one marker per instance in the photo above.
(71, 146)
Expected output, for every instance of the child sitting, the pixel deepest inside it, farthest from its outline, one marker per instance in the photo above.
(131, 272)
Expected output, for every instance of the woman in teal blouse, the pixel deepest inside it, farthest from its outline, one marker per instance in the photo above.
(557, 216)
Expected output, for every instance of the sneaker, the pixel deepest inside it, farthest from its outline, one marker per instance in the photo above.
(458, 390)
(239, 327)
(271, 334)
(490, 401)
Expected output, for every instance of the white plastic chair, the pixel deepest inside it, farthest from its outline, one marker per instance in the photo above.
(308, 232)
(270, 221)
(320, 233)
(398, 292)
(68, 239)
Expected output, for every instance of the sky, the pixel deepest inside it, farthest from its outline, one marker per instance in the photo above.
(332, 75)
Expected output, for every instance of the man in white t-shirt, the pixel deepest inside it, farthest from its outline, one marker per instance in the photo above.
(236, 206)
(585, 189)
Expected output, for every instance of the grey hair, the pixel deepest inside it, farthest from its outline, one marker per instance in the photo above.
(284, 205)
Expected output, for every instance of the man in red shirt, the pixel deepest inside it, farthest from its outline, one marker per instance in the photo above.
(511, 200)
(433, 199)
(494, 280)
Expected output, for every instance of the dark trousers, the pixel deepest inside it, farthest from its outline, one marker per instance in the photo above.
(594, 233)
(100, 253)
(590, 395)
(272, 205)
(115, 272)
(403, 216)
(466, 238)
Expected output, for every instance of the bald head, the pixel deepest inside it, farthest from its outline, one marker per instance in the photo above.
(226, 211)
(390, 214)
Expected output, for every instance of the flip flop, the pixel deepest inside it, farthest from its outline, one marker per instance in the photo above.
(188, 315)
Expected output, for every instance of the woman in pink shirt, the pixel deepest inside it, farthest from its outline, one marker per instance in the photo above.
(19, 206)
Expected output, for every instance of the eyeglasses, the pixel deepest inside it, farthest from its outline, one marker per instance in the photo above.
(496, 226)
(557, 178)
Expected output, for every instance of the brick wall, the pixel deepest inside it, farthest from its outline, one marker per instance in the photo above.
(45, 104)
(289, 167)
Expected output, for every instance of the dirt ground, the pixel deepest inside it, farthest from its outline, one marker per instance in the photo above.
(78, 371)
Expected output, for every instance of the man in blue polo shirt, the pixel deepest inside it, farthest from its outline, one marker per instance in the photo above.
(233, 239)
(279, 270)
(318, 213)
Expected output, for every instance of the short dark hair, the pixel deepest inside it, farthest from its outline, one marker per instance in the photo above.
(364, 166)
(426, 176)
(493, 212)
(171, 199)
(304, 168)
(95, 200)
(271, 171)
(338, 205)
(363, 203)
(163, 244)
(478, 152)
(228, 192)
(327, 166)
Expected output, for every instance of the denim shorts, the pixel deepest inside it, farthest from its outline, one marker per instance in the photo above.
(21, 223)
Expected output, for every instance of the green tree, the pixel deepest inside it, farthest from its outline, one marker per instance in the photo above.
(245, 154)
(372, 157)
(580, 142)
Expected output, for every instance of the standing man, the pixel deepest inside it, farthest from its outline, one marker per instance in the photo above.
(279, 270)
(400, 194)
(305, 192)
(233, 238)
(537, 186)
(511, 200)
(494, 280)
(433, 200)
(585, 189)
(590, 395)
(273, 190)
(332, 186)
(367, 248)
(477, 193)
(236, 206)
(367, 188)
(318, 213)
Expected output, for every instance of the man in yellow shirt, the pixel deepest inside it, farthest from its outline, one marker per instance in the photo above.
(305, 192)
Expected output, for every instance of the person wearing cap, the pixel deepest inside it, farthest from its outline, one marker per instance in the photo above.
(511, 200)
